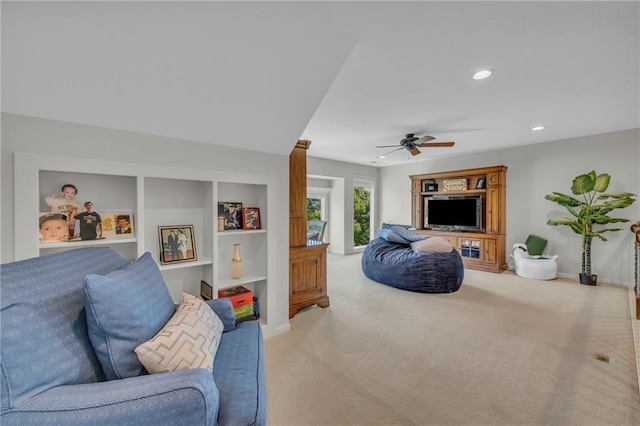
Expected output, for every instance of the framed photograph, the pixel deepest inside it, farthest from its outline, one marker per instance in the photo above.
(54, 227)
(206, 291)
(231, 213)
(177, 244)
(117, 223)
(430, 186)
(251, 218)
(481, 183)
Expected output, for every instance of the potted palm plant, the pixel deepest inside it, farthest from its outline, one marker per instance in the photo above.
(589, 211)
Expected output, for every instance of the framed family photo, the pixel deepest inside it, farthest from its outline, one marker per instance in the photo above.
(177, 244)
(251, 218)
(231, 213)
(117, 223)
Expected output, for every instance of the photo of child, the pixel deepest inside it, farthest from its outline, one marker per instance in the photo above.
(65, 202)
(53, 228)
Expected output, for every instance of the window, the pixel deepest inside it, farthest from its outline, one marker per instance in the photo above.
(362, 210)
(314, 208)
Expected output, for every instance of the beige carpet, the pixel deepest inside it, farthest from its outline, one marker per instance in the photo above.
(503, 350)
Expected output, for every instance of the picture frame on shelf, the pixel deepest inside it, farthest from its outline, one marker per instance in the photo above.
(53, 227)
(430, 185)
(206, 290)
(117, 223)
(231, 212)
(177, 244)
(251, 218)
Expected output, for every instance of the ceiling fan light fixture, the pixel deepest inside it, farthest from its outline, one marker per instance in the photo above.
(481, 75)
(537, 128)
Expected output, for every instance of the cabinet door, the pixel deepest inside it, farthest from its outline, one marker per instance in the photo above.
(417, 221)
(471, 249)
(490, 251)
(307, 274)
(452, 240)
(493, 211)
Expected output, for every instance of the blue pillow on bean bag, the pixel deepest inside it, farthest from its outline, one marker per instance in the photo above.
(392, 237)
(390, 225)
(407, 234)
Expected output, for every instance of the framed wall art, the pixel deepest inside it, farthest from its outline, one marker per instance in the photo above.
(251, 218)
(177, 244)
(231, 212)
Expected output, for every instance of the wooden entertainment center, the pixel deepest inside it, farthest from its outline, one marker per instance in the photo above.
(482, 249)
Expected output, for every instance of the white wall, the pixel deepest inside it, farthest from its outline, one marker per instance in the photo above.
(34, 135)
(537, 170)
(341, 215)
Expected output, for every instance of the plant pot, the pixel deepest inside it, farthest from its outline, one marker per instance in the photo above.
(588, 279)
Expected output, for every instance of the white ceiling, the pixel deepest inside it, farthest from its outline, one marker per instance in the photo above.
(347, 76)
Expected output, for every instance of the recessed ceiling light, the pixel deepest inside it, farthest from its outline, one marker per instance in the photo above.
(481, 75)
(535, 129)
(382, 156)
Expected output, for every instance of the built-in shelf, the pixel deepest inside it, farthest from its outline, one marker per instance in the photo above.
(181, 265)
(159, 196)
(229, 282)
(84, 243)
(465, 192)
(236, 232)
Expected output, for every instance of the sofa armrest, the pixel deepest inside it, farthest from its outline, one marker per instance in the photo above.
(182, 397)
(224, 310)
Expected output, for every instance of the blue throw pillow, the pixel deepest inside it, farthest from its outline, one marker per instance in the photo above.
(392, 237)
(407, 234)
(124, 309)
(390, 225)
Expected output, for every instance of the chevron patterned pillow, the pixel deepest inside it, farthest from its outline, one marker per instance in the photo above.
(188, 340)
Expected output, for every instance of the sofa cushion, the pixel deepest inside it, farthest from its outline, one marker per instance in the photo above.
(224, 310)
(124, 309)
(432, 245)
(188, 340)
(239, 374)
(44, 341)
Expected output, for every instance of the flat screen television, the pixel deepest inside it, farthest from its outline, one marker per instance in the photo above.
(453, 213)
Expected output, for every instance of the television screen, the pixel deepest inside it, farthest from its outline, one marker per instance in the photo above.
(463, 213)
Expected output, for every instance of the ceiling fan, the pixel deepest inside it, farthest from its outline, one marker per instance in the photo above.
(411, 144)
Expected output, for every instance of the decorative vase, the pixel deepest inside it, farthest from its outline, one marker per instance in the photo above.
(236, 263)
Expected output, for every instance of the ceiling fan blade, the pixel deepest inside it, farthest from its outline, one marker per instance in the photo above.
(414, 151)
(435, 144)
(398, 149)
(387, 146)
(423, 139)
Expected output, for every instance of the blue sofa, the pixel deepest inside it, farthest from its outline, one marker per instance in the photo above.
(51, 373)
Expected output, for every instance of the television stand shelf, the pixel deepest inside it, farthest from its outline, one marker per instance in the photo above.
(483, 248)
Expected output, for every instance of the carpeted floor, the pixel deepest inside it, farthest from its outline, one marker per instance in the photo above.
(503, 350)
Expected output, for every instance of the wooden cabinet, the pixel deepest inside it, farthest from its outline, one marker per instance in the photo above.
(484, 248)
(307, 277)
(307, 259)
(159, 196)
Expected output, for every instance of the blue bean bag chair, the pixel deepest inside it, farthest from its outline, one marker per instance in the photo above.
(398, 265)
